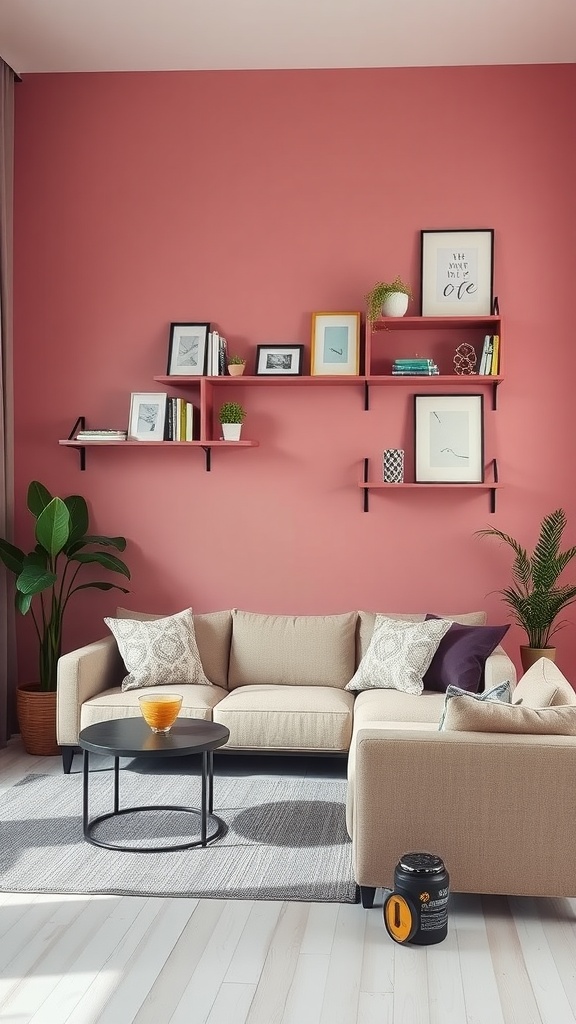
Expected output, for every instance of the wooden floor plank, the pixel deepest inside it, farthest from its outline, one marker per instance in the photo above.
(516, 996)
(545, 980)
(277, 975)
(231, 1004)
(481, 995)
(250, 954)
(342, 993)
(378, 956)
(559, 923)
(410, 985)
(306, 995)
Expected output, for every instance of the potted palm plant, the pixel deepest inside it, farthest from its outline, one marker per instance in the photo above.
(535, 596)
(232, 416)
(388, 299)
(45, 580)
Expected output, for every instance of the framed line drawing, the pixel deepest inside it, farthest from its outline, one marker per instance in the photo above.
(457, 272)
(449, 439)
(187, 350)
(335, 348)
(147, 416)
(279, 360)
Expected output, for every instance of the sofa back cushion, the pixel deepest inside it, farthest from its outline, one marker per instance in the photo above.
(213, 632)
(292, 650)
(366, 621)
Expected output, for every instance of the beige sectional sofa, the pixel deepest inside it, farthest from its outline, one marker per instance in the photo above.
(278, 681)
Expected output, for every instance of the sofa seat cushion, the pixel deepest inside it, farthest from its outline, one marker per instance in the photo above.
(287, 717)
(197, 702)
(396, 706)
(291, 650)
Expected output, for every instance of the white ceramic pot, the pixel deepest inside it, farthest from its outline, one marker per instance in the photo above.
(231, 431)
(395, 304)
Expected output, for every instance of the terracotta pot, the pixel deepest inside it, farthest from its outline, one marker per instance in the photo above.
(236, 369)
(36, 711)
(529, 655)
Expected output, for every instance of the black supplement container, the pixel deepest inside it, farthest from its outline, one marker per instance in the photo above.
(417, 908)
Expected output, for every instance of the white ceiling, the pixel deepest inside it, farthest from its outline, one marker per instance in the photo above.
(155, 35)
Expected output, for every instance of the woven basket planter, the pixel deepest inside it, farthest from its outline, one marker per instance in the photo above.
(36, 711)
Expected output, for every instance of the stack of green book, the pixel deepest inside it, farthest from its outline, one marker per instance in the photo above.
(415, 367)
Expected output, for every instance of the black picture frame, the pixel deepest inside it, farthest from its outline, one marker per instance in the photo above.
(279, 360)
(457, 272)
(188, 349)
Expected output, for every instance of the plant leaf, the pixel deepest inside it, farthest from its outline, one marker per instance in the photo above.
(100, 586)
(112, 542)
(38, 498)
(103, 558)
(79, 519)
(53, 527)
(12, 557)
(35, 577)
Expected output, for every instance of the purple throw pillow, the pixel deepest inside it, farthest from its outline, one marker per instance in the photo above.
(461, 656)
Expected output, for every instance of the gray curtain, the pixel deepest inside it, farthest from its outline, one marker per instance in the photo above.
(7, 625)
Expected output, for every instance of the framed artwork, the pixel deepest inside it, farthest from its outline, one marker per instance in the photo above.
(147, 416)
(335, 348)
(449, 439)
(279, 360)
(457, 272)
(188, 349)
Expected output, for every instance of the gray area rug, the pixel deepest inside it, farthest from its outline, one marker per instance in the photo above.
(285, 838)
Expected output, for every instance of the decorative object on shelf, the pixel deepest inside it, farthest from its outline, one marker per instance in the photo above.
(335, 348)
(188, 349)
(388, 299)
(535, 597)
(449, 431)
(49, 572)
(147, 416)
(457, 272)
(279, 360)
(232, 416)
(236, 366)
(393, 466)
(415, 367)
(465, 359)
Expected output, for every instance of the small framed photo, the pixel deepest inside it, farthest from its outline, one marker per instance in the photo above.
(449, 439)
(188, 349)
(335, 347)
(147, 416)
(457, 272)
(279, 360)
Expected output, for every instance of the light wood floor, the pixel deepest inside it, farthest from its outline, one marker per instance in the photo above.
(119, 960)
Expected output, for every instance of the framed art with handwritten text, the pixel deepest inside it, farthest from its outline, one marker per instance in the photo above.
(457, 272)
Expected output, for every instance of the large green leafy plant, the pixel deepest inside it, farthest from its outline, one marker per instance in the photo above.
(49, 572)
(535, 596)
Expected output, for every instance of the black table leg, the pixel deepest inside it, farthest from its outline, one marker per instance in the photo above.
(203, 812)
(210, 781)
(116, 784)
(85, 766)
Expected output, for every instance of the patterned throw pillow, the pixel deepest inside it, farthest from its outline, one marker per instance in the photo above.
(501, 693)
(398, 655)
(159, 652)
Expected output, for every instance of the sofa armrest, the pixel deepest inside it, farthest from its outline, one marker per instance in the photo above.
(498, 808)
(498, 668)
(82, 674)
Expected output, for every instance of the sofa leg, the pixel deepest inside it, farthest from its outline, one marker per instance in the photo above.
(67, 757)
(367, 894)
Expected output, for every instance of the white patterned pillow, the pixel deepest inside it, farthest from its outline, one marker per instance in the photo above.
(502, 694)
(159, 652)
(399, 654)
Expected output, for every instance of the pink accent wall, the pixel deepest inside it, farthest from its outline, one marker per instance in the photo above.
(252, 199)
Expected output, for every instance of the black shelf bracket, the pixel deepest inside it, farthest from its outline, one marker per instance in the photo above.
(365, 489)
(493, 489)
(208, 454)
(79, 425)
(366, 396)
(495, 394)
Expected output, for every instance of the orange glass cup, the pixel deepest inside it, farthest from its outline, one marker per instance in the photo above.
(160, 710)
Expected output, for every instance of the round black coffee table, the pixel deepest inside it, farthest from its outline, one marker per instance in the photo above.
(131, 737)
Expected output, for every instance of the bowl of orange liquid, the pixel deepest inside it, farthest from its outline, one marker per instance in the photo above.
(160, 710)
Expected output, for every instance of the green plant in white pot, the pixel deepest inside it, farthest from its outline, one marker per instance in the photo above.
(232, 416)
(388, 299)
(535, 597)
(46, 579)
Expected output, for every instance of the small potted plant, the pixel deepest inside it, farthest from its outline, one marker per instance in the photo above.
(236, 366)
(388, 299)
(232, 416)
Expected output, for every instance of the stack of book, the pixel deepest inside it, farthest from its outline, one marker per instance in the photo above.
(216, 354)
(490, 358)
(101, 435)
(415, 367)
(181, 421)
